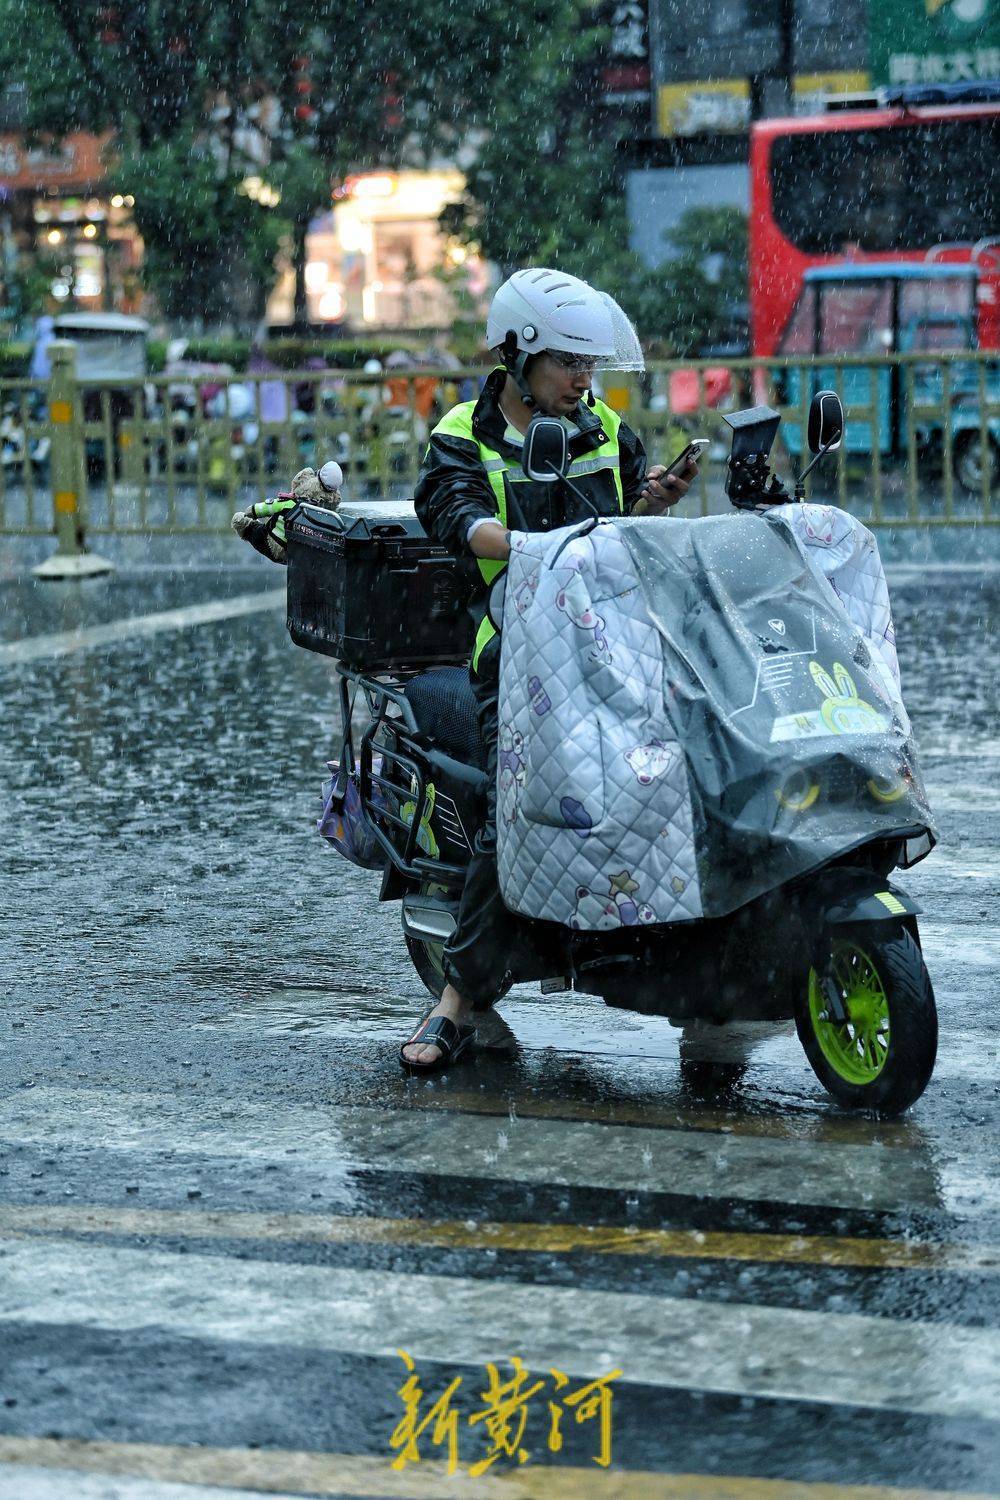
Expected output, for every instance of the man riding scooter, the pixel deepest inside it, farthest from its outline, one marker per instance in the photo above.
(550, 333)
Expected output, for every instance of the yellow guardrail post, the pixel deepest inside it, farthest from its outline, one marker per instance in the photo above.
(947, 453)
(71, 559)
(131, 458)
(127, 481)
(986, 444)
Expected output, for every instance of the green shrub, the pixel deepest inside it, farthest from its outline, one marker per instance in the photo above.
(233, 352)
(286, 353)
(293, 353)
(14, 360)
(468, 342)
(339, 354)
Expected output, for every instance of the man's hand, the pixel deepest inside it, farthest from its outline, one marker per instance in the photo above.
(491, 541)
(662, 490)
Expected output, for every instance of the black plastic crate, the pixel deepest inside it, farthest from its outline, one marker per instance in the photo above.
(374, 590)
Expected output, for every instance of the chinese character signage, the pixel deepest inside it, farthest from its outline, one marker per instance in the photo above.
(708, 105)
(623, 66)
(935, 41)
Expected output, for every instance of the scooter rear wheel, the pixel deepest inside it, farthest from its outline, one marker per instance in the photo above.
(881, 1057)
(426, 959)
(428, 956)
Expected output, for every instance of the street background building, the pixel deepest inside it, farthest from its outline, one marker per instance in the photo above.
(748, 59)
(677, 93)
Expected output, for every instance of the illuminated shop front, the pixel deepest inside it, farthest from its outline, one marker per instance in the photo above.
(378, 259)
(54, 209)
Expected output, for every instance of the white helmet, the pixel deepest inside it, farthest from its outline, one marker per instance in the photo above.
(539, 309)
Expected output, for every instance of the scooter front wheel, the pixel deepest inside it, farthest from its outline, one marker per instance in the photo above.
(878, 1052)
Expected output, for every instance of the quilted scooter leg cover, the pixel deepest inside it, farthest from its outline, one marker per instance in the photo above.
(695, 712)
(593, 815)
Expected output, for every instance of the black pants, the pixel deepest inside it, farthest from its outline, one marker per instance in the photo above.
(477, 955)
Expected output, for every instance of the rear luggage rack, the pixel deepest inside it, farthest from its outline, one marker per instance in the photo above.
(374, 590)
(402, 777)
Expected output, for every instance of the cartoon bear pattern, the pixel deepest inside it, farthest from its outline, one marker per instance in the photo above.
(510, 770)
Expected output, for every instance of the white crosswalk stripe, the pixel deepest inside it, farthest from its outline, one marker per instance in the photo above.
(56, 1275)
(66, 642)
(661, 1341)
(29, 1482)
(559, 1152)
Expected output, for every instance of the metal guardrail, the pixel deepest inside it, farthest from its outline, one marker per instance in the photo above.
(159, 457)
(922, 431)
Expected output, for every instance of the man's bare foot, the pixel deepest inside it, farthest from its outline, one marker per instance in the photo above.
(456, 1009)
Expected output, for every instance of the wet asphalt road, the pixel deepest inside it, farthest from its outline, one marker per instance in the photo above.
(223, 1210)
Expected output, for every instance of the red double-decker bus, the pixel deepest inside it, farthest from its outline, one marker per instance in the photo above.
(916, 179)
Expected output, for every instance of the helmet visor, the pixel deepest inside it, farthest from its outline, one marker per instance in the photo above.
(627, 353)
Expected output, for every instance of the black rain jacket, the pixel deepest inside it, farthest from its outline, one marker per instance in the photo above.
(453, 489)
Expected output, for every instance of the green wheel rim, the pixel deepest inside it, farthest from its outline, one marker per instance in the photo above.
(857, 1048)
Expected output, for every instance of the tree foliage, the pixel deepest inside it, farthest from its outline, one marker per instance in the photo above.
(579, 223)
(704, 282)
(546, 188)
(209, 249)
(199, 96)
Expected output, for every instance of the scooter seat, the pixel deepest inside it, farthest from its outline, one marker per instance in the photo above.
(444, 707)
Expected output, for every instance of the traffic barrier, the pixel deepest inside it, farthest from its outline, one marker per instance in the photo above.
(922, 432)
(172, 456)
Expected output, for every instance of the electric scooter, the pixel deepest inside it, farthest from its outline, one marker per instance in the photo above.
(838, 950)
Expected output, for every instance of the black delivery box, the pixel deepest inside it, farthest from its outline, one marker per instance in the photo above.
(368, 586)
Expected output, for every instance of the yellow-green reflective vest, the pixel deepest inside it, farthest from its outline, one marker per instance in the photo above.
(458, 423)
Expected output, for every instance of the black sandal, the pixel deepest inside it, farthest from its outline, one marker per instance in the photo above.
(438, 1031)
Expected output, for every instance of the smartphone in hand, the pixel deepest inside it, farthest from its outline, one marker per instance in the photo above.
(694, 450)
(677, 465)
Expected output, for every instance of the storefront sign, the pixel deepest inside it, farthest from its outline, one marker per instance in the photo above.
(720, 106)
(623, 72)
(73, 162)
(935, 41)
(709, 105)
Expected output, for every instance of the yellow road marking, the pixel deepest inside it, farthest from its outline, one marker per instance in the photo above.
(21, 1220)
(345, 1474)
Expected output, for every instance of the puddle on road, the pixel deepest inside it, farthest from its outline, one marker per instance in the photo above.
(326, 1013)
(568, 1027)
(972, 947)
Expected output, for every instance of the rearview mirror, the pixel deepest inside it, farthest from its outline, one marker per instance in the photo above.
(826, 422)
(546, 450)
